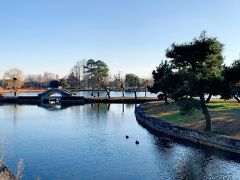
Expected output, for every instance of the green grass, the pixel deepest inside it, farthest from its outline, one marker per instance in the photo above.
(223, 106)
(177, 118)
(225, 116)
(169, 112)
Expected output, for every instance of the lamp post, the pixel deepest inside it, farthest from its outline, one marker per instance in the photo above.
(14, 82)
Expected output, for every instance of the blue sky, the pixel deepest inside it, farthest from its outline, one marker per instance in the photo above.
(129, 35)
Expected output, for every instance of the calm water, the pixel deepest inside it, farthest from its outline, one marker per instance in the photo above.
(88, 142)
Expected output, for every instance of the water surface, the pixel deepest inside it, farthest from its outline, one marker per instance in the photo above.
(88, 142)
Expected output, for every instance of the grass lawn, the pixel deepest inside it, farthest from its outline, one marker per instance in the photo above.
(225, 116)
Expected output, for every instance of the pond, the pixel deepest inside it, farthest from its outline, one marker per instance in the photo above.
(88, 142)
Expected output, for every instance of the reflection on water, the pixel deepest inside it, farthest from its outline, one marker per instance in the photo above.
(53, 107)
(88, 142)
(95, 107)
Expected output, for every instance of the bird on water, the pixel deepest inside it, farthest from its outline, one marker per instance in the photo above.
(137, 142)
(127, 136)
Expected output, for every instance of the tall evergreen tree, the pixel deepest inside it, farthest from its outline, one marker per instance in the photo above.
(231, 84)
(199, 62)
(98, 73)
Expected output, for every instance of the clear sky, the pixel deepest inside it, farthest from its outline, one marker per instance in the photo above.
(129, 35)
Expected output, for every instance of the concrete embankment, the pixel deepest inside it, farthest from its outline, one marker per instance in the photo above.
(209, 139)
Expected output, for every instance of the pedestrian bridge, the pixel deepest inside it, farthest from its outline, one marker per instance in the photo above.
(47, 95)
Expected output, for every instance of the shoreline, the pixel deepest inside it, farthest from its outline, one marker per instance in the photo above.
(5, 91)
(6, 173)
(213, 140)
(75, 100)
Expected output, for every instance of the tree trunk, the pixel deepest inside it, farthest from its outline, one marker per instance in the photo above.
(108, 94)
(165, 98)
(98, 94)
(208, 98)
(235, 97)
(135, 93)
(205, 112)
(92, 92)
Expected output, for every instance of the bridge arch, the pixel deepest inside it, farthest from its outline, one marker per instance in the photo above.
(48, 94)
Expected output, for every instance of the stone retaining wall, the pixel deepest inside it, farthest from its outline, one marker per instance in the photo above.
(209, 139)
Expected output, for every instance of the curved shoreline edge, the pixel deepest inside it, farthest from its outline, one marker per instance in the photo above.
(5, 173)
(199, 137)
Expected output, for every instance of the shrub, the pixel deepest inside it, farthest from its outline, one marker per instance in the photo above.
(161, 96)
(54, 84)
(188, 105)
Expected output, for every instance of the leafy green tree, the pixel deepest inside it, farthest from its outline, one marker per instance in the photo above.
(231, 84)
(215, 88)
(197, 63)
(101, 71)
(133, 82)
(161, 77)
(64, 83)
(98, 73)
(89, 70)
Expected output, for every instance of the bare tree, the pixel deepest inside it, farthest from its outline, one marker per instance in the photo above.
(78, 72)
(33, 81)
(13, 78)
(47, 77)
(119, 82)
(144, 84)
(108, 85)
(72, 80)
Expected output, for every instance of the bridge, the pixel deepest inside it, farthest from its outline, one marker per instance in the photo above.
(47, 95)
